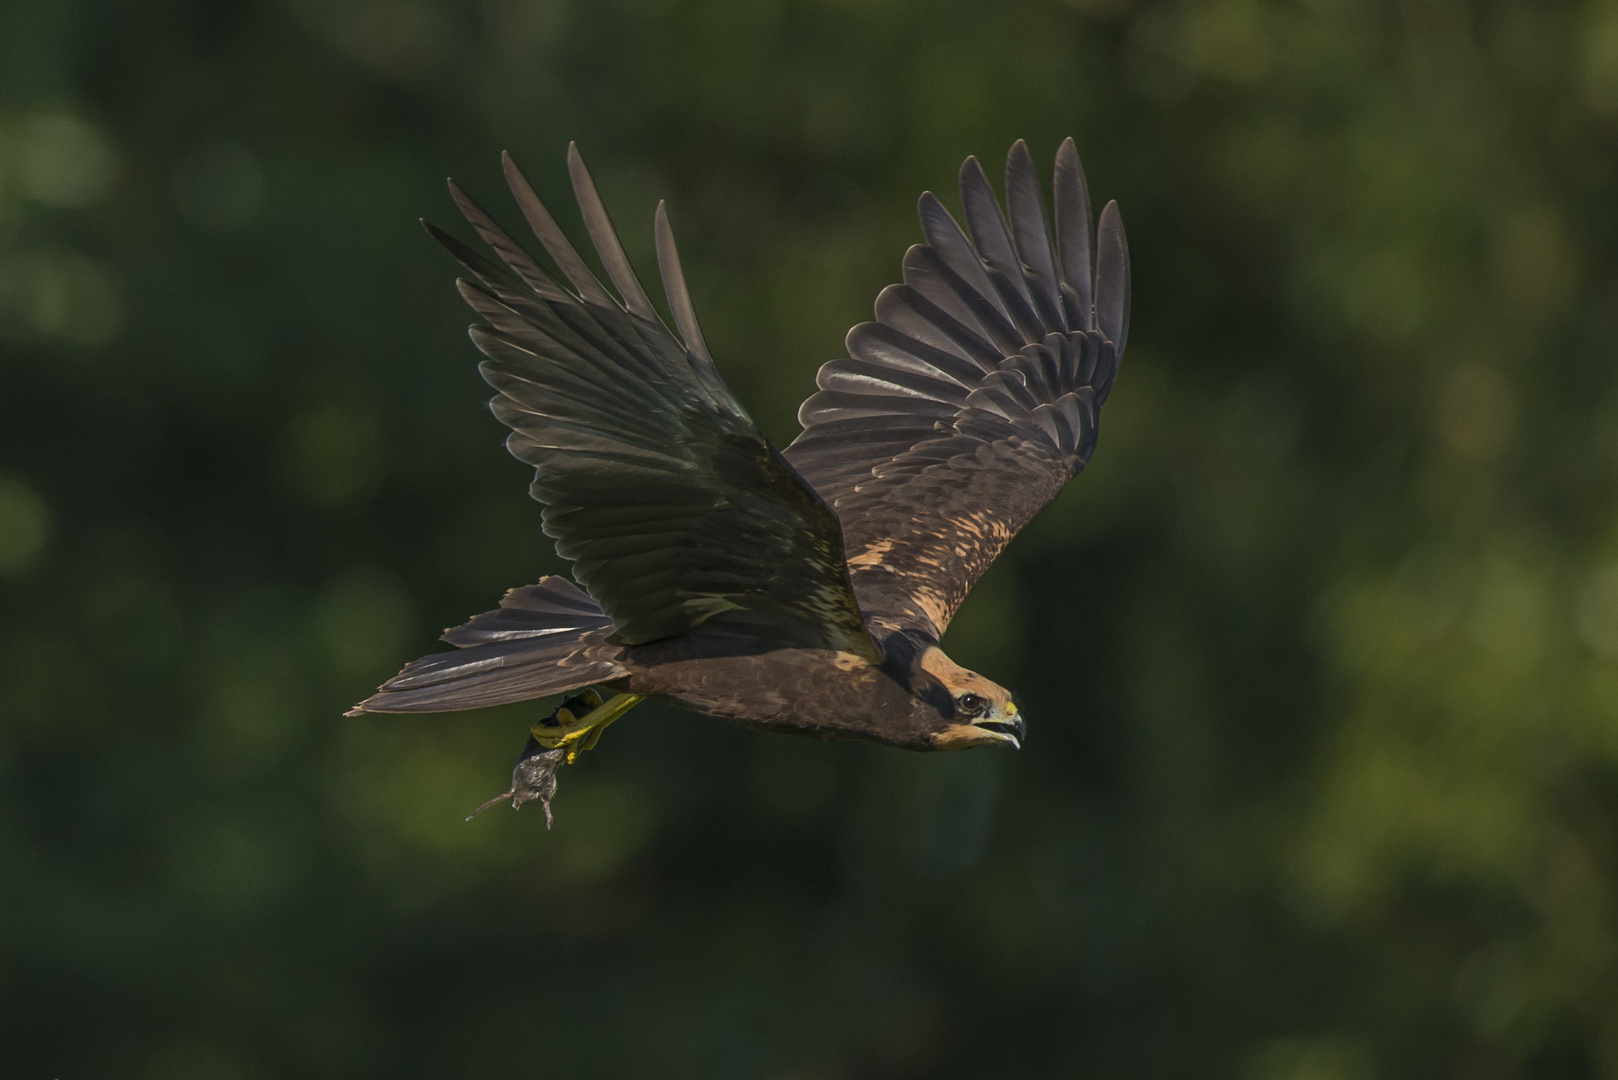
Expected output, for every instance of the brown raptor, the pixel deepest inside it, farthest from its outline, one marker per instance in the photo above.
(804, 590)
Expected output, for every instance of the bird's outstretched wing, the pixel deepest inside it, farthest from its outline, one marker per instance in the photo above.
(973, 397)
(679, 516)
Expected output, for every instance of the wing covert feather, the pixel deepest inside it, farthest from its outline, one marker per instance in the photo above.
(963, 409)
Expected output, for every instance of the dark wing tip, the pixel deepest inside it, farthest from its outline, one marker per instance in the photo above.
(598, 223)
(674, 286)
(457, 192)
(1030, 233)
(972, 169)
(1074, 239)
(1112, 277)
(454, 246)
(443, 237)
(553, 239)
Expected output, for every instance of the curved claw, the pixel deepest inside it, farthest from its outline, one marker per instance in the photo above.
(579, 734)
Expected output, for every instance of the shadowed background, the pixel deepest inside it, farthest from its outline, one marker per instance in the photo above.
(1319, 656)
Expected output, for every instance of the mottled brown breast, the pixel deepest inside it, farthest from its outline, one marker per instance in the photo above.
(816, 692)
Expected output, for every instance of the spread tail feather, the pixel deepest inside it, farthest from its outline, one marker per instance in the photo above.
(544, 639)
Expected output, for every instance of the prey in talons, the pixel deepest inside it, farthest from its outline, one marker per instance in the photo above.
(574, 727)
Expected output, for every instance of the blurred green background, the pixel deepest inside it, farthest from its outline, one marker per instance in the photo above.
(1320, 655)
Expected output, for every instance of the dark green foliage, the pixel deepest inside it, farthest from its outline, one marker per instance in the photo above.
(1319, 656)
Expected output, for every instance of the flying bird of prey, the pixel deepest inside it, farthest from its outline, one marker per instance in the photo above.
(802, 590)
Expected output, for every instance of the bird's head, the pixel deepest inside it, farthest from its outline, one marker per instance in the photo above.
(966, 709)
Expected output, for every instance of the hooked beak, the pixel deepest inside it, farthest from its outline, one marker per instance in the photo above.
(1000, 726)
(1006, 726)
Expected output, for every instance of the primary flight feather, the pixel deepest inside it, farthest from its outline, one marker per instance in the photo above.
(803, 590)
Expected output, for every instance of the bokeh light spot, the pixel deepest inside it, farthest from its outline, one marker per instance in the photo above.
(63, 160)
(25, 526)
(1598, 40)
(1596, 612)
(58, 296)
(400, 38)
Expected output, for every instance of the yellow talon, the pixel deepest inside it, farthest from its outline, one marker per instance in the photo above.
(578, 734)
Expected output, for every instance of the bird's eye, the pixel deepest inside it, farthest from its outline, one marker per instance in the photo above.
(970, 704)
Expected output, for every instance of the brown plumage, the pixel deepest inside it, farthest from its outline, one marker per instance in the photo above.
(803, 590)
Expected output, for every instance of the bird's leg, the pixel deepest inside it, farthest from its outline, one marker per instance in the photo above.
(566, 730)
(557, 740)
